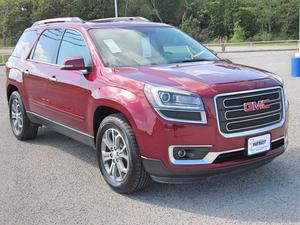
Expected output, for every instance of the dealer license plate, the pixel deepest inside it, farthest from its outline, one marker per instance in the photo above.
(259, 144)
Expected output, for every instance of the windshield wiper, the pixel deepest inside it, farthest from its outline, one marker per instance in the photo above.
(192, 60)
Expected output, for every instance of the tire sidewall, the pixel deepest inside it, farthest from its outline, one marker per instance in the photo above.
(16, 95)
(115, 123)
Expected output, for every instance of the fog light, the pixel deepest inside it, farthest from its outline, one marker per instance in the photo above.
(181, 153)
(189, 153)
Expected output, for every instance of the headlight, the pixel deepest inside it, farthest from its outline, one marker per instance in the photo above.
(176, 105)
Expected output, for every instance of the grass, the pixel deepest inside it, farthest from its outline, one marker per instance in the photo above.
(3, 59)
(5, 47)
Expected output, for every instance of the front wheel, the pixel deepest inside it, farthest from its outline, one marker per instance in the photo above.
(118, 156)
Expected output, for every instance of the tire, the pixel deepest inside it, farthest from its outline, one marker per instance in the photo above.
(134, 176)
(21, 126)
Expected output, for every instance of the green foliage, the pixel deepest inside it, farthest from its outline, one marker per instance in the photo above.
(262, 36)
(191, 26)
(205, 20)
(238, 33)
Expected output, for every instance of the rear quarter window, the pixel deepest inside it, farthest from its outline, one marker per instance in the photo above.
(23, 46)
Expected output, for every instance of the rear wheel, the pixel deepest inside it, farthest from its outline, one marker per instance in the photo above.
(21, 126)
(118, 156)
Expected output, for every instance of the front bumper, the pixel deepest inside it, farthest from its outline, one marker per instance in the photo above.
(156, 137)
(160, 173)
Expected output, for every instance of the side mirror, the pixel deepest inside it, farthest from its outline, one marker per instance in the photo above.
(75, 63)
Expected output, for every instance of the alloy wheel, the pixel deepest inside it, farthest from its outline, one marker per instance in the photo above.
(16, 115)
(114, 153)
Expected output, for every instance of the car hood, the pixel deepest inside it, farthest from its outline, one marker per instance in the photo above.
(199, 75)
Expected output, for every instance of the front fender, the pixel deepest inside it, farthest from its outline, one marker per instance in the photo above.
(134, 106)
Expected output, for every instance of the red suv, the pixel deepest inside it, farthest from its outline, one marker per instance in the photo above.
(151, 100)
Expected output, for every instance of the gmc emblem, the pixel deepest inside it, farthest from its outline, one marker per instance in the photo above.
(253, 106)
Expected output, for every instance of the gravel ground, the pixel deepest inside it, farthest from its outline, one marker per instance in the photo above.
(55, 180)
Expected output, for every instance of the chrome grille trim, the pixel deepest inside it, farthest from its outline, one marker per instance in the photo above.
(276, 110)
(228, 99)
(245, 128)
(255, 130)
(237, 106)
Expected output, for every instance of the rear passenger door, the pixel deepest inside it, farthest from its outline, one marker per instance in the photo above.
(69, 93)
(40, 67)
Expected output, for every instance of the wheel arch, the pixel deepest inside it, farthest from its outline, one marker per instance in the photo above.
(107, 108)
(10, 89)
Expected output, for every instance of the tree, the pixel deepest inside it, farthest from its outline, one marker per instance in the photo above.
(238, 33)
(14, 15)
(206, 20)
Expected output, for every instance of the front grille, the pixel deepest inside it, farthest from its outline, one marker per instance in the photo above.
(233, 118)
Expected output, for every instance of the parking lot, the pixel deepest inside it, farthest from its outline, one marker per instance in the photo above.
(55, 180)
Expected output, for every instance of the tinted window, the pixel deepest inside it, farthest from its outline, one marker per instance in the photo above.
(73, 45)
(47, 46)
(23, 45)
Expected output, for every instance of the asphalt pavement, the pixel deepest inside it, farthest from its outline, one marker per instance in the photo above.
(55, 180)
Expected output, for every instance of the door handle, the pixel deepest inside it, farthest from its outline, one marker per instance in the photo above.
(53, 79)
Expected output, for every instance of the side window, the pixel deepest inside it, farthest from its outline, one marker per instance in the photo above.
(73, 45)
(47, 46)
(23, 45)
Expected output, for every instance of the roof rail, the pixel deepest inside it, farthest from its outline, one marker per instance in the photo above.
(120, 19)
(59, 20)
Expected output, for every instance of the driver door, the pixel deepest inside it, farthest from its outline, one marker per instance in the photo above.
(69, 89)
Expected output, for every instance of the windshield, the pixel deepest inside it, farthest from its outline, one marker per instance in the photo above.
(121, 47)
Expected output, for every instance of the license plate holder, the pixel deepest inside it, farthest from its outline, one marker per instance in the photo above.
(258, 144)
